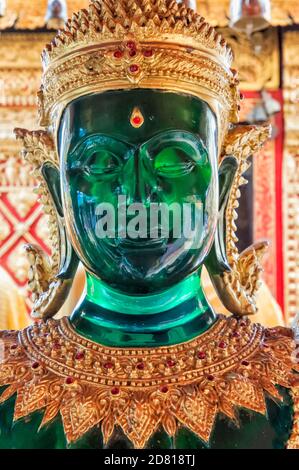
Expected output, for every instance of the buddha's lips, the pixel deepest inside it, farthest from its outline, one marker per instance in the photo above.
(142, 244)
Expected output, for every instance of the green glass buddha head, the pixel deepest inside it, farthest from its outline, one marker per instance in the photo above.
(138, 168)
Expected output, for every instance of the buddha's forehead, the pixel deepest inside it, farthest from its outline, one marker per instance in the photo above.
(110, 113)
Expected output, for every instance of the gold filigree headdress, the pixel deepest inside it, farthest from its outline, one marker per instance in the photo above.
(125, 44)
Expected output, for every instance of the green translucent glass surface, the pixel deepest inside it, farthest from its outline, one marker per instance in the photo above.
(169, 317)
(172, 158)
(254, 432)
(143, 291)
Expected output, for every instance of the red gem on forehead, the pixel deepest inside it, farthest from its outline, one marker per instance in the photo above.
(210, 377)
(115, 391)
(133, 68)
(132, 53)
(222, 345)
(14, 346)
(137, 120)
(35, 365)
(164, 389)
(140, 366)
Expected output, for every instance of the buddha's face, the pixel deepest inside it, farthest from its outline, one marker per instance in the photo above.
(128, 157)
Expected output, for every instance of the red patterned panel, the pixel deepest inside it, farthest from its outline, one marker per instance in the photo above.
(21, 220)
(267, 198)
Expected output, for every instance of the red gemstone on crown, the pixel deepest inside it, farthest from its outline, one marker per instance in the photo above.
(134, 68)
(132, 53)
(140, 366)
(80, 355)
(222, 345)
(131, 45)
(210, 377)
(245, 363)
(201, 355)
(13, 347)
(164, 389)
(118, 54)
(35, 365)
(170, 363)
(108, 365)
(115, 391)
(69, 380)
(148, 53)
(236, 334)
(56, 346)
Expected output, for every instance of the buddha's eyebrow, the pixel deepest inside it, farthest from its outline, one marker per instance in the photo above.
(98, 138)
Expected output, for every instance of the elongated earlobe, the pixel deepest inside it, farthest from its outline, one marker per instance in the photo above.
(50, 278)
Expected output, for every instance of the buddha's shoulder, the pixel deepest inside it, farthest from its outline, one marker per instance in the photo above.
(234, 364)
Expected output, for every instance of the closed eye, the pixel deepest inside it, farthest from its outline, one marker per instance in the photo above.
(102, 162)
(99, 155)
(173, 162)
(175, 153)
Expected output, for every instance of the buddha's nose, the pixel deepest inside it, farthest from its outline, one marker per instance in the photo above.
(139, 179)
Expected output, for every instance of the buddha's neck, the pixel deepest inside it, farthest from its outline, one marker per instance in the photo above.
(112, 318)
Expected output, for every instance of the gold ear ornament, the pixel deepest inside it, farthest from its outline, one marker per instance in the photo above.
(238, 287)
(49, 291)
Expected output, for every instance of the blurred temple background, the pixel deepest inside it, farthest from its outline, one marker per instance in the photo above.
(264, 36)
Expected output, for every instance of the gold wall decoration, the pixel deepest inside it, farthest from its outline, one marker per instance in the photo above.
(31, 15)
(283, 12)
(291, 173)
(257, 58)
(20, 68)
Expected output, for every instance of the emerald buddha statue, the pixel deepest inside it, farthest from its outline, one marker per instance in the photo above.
(140, 108)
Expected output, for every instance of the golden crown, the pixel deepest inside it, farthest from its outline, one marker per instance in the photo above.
(149, 44)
